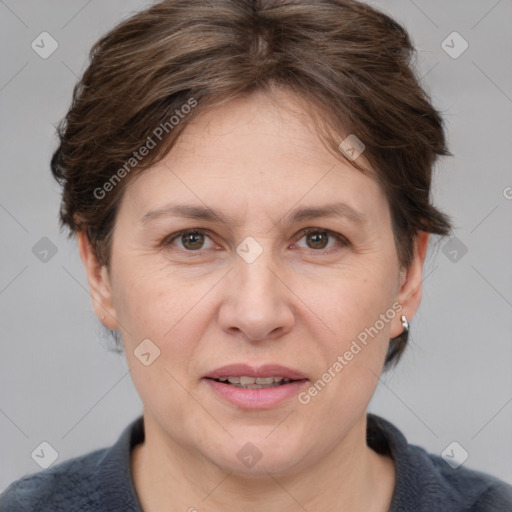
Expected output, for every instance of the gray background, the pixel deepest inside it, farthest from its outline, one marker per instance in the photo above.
(58, 381)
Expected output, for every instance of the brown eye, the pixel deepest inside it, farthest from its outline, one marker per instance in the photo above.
(191, 239)
(318, 239)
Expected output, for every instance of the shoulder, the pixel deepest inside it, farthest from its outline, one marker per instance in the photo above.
(97, 481)
(460, 488)
(68, 486)
(426, 482)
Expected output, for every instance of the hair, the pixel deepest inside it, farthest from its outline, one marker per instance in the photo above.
(157, 70)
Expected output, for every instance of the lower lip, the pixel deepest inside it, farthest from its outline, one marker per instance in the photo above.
(262, 398)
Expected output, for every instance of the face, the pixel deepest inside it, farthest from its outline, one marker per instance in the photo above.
(265, 291)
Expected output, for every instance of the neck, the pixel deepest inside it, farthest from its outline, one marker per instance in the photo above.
(351, 477)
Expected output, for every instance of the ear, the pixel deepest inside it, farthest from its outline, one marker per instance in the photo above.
(410, 291)
(99, 283)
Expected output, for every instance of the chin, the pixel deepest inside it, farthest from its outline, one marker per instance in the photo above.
(256, 455)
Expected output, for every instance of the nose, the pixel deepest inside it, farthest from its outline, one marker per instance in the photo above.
(257, 305)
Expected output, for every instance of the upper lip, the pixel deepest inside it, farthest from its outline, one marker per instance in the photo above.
(266, 370)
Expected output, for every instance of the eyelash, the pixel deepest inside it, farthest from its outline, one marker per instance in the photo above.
(306, 231)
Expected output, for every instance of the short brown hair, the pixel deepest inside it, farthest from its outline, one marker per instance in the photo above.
(350, 63)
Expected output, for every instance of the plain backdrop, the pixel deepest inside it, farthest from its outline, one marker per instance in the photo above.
(60, 384)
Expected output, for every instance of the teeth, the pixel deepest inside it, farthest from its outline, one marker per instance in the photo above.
(264, 380)
(279, 379)
(255, 382)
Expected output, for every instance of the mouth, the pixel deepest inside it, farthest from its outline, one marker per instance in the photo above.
(251, 387)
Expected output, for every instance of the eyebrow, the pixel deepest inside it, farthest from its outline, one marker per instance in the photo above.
(204, 213)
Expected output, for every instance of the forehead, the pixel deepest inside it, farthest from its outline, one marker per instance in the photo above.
(256, 155)
(279, 118)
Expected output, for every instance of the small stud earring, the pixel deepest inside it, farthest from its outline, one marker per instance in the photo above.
(405, 323)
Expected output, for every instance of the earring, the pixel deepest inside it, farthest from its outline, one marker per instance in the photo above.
(405, 323)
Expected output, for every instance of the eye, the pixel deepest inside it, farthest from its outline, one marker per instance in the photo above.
(319, 238)
(192, 239)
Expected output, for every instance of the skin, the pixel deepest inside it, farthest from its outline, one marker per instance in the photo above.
(297, 305)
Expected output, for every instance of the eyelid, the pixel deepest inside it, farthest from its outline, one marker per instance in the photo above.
(334, 234)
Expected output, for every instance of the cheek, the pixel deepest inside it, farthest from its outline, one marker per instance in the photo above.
(167, 312)
(355, 345)
(167, 308)
(149, 300)
(352, 358)
(352, 298)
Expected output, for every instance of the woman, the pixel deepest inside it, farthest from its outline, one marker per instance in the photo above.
(249, 183)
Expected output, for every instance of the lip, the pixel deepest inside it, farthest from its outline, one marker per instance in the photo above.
(264, 398)
(266, 370)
